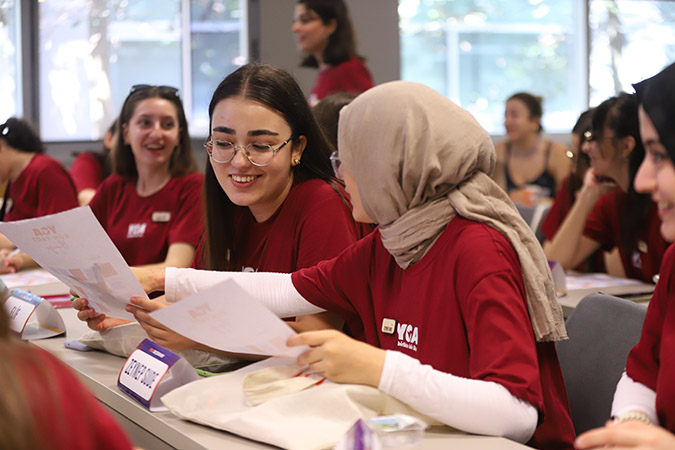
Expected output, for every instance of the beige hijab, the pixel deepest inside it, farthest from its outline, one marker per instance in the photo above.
(418, 160)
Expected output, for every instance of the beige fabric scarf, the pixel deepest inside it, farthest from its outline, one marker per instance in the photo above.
(418, 160)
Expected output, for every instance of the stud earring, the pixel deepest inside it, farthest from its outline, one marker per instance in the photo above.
(296, 162)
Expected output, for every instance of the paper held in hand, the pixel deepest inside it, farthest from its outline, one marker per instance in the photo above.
(226, 317)
(73, 247)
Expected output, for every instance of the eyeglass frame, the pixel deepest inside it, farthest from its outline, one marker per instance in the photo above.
(208, 145)
(336, 164)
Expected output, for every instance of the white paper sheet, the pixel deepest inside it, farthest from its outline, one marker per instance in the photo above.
(227, 318)
(73, 247)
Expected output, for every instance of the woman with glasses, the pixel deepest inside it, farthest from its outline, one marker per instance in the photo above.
(644, 402)
(608, 212)
(38, 185)
(450, 300)
(530, 168)
(324, 34)
(151, 205)
(272, 203)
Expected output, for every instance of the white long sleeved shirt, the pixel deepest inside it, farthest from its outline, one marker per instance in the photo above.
(633, 396)
(474, 406)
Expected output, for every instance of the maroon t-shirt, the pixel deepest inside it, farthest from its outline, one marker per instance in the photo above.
(603, 226)
(350, 76)
(143, 228)
(86, 172)
(43, 187)
(311, 225)
(464, 304)
(651, 361)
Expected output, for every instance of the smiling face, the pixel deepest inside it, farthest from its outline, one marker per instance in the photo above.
(657, 176)
(311, 34)
(518, 121)
(152, 133)
(607, 155)
(261, 189)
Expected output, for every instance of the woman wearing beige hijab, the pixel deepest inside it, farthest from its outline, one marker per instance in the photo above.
(450, 301)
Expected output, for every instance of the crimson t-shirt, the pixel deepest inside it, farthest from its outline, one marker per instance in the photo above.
(86, 172)
(603, 226)
(143, 228)
(463, 310)
(350, 76)
(311, 225)
(651, 361)
(43, 187)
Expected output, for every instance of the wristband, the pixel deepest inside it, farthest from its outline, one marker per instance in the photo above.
(633, 415)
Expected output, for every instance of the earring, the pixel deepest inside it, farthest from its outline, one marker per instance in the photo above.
(296, 162)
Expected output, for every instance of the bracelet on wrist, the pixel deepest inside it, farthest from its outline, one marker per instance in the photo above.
(633, 415)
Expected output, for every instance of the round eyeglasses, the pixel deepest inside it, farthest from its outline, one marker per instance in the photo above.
(337, 165)
(260, 155)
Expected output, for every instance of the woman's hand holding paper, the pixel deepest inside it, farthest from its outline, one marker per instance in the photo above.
(340, 358)
(95, 321)
(158, 333)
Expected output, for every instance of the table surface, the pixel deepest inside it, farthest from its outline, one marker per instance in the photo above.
(99, 371)
(637, 291)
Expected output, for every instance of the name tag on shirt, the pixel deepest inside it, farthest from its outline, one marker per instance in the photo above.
(388, 326)
(161, 216)
(144, 375)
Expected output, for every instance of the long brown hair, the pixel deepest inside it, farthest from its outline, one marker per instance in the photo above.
(277, 89)
(182, 159)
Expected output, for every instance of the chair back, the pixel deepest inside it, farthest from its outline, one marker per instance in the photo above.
(602, 329)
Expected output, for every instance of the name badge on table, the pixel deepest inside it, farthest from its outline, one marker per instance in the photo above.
(161, 216)
(143, 376)
(31, 317)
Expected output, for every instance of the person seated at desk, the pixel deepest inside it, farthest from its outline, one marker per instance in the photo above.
(450, 301)
(644, 401)
(37, 185)
(89, 169)
(529, 168)
(43, 405)
(151, 205)
(608, 212)
(327, 113)
(272, 203)
(567, 195)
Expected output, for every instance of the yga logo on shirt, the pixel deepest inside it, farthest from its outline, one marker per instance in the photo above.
(407, 336)
(136, 230)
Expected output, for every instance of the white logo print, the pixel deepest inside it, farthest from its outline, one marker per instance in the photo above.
(136, 230)
(407, 336)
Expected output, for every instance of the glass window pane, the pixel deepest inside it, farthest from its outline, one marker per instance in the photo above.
(93, 51)
(630, 40)
(218, 48)
(10, 60)
(479, 52)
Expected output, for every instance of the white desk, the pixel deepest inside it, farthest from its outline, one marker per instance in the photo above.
(638, 291)
(99, 371)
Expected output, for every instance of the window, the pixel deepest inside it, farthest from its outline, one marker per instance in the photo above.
(630, 41)
(10, 60)
(480, 52)
(93, 51)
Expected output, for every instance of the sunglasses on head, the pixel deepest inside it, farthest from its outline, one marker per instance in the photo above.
(142, 87)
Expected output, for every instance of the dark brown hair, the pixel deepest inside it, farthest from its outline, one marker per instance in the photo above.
(342, 43)
(276, 89)
(21, 135)
(533, 105)
(182, 159)
(327, 113)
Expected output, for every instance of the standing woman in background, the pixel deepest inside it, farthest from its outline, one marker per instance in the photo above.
(151, 205)
(38, 185)
(644, 402)
(529, 168)
(324, 32)
(608, 212)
